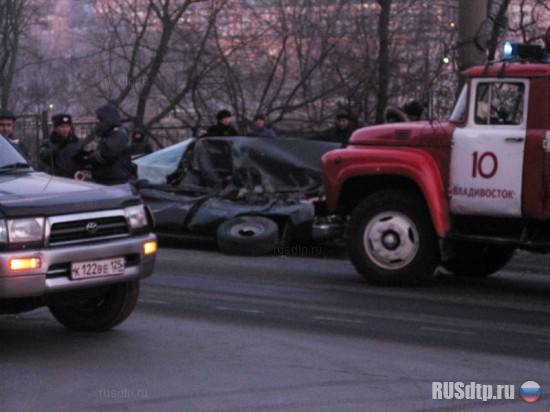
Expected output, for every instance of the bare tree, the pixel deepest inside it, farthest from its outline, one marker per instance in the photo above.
(136, 49)
(534, 16)
(16, 17)
(498, 17)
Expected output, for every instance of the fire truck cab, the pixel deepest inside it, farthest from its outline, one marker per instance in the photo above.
(463, 194)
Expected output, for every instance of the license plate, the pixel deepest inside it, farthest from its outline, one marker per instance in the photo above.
(97, 268)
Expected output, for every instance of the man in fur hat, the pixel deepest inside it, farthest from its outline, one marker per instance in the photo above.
(59, 154)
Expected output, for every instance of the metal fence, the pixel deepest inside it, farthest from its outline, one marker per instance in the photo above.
(28, 129)
(32, 129)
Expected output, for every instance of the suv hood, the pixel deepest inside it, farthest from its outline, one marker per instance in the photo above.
(38, 194)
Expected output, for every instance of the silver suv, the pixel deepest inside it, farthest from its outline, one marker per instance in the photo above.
(76, 247)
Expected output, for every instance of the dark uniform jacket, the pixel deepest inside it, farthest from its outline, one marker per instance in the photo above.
(220, 129)
(19, 146)
(111, 161)
(266, 131)
(337, 135)
(140, 147)
(59, 154)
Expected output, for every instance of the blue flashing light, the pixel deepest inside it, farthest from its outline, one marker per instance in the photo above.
(508, 50)
(515, 51)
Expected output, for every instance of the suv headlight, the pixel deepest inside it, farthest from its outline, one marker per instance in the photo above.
(136, 216)
(3, 232)
(25, 230)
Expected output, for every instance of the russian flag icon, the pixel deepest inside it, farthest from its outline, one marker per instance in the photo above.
(530, 391)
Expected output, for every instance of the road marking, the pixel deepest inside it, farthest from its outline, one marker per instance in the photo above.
(331, 319)
(339, 312)
(446, 330)
(445, 295)
(157, 302)
(226, 309)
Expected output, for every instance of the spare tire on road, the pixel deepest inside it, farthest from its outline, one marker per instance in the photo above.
(248, 236)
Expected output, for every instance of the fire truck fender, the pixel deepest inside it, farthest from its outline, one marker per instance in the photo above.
(363, 171)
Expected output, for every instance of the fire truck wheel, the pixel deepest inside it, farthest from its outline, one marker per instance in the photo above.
(391, 240)
(477, 260)
(101, 312)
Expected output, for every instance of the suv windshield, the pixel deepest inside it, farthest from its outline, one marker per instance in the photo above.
(9, 156)
(459, 112)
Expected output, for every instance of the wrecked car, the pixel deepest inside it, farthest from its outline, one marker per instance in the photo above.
(250, 194)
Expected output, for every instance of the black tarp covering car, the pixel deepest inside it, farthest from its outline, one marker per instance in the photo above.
(195, 186)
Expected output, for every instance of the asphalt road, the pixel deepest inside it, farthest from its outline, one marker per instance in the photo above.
(300, 333)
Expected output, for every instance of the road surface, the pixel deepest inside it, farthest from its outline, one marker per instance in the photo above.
(287, 333)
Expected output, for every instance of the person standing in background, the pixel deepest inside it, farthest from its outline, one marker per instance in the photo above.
(224, 126)
(7, 125)
(139, 144)
(262, 128)
(111, 161)
(341, 131)
(60, 152)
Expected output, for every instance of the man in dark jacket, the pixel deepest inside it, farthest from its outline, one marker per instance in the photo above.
(262, 128)
(413, 110)
(223, 127)
(111, 161)
(60, 152)
(7, 124)
(341, 132)
(139, 144)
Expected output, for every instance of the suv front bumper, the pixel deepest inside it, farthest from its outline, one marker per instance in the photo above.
(54, 273)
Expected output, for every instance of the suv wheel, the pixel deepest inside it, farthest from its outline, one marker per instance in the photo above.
(391, 239)
(99, 313)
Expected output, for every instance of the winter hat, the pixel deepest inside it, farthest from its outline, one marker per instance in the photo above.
(6, 114)
(222, 114)
(60, 119)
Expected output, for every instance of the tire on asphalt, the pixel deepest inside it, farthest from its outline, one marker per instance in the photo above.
(478, 260)
(391, 240)
(248, 236)
(100, 313)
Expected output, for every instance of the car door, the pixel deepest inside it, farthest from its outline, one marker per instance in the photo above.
(488, 153)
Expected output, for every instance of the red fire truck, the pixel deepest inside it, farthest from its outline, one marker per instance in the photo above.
(463, 194)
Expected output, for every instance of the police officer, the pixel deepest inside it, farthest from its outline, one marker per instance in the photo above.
(139, 144)
(224, 126)
(342, 130)
(7, 124)
(111, 161)
(60, 152)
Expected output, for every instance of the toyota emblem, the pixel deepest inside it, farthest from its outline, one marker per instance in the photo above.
(91, 228)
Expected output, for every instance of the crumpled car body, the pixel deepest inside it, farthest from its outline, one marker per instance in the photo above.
(196, 185)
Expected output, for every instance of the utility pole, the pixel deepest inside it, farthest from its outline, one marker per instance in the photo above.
(472, 40)
(383, 58)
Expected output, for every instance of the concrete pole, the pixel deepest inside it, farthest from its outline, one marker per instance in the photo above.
(471, 15)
